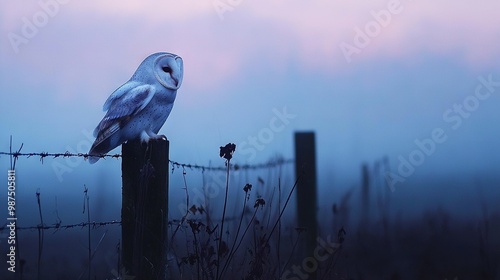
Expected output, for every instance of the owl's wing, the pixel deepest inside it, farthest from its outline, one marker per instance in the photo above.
(119, 93)
(126, 102)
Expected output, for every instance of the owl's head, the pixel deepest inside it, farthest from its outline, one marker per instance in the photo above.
(168, 69)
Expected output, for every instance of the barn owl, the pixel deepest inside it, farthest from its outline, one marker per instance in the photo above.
(140, 107)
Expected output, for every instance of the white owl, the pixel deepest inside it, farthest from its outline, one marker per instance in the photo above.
(140, 107)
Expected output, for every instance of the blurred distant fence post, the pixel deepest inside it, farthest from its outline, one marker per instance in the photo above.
(365, 196)
(305, 168)
(145, 208)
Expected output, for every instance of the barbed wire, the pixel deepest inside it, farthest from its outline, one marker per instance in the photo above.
(94, 224)
(175, 164)
(58, 226)
(269, 164)
(43, 155)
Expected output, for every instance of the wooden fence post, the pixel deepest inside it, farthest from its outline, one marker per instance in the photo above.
(305, 167)
(145, 208)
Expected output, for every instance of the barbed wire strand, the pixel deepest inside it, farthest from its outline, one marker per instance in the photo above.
(175, 164)
(58, 226)
(94, 225)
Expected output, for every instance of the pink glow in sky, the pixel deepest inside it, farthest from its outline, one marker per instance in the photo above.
(310, 32)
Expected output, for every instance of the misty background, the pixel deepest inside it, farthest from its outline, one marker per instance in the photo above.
(370, 79)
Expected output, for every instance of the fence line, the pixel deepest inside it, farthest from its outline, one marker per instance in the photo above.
(175, 164)
(277, 162)
(57, 226)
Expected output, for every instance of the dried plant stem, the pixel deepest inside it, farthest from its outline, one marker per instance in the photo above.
(223, 218)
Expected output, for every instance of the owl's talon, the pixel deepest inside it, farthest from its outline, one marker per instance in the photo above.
(145, 137)
(155, 136)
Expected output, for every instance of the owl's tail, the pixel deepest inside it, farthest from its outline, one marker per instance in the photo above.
(93, 159)
(98, 149)
(94, 156)
(106, 141)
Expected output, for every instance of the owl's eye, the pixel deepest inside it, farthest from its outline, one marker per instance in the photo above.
(166, 69)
